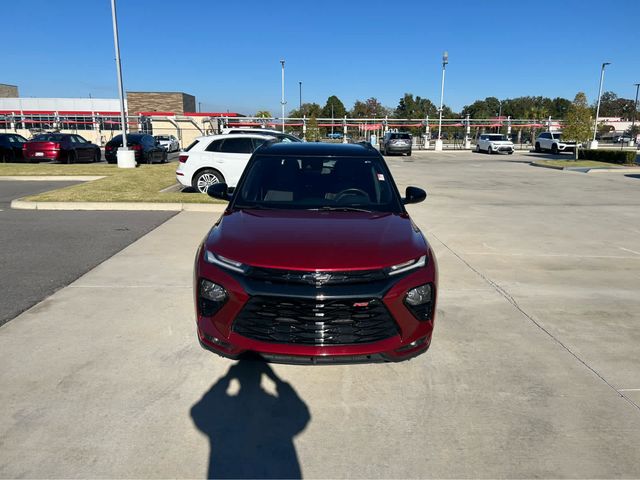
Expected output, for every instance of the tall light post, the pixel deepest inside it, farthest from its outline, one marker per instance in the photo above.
(445, 61)
(594, 142)
(300, 105)
(635, 112)
(282, 101)
(331, 119)
(126, 158)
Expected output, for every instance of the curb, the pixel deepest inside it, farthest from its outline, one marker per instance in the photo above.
(147, 206)
(52, 178)
(588, 169)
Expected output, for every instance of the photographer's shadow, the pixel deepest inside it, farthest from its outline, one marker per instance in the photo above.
(251, 432)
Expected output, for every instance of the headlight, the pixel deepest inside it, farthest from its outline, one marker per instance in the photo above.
(211, 297)
(224, 262)
(406, 266)
(419, 300)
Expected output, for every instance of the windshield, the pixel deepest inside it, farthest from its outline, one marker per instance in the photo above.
(162, 137)
(400, 136)
(496, 138)
(317, 183)
(556, 136)
(48, 137)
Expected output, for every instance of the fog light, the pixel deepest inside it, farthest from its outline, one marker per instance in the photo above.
(212, 291)
(419, 295)
(211, 297)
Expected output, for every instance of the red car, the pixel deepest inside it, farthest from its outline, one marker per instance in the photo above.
(63, 147)
(316, 260)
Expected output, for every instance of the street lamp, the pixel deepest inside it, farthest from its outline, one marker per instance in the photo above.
(635, 112)
(300, 109)
(282, 102)
(445, 61)
(594, 142)
(126, 158)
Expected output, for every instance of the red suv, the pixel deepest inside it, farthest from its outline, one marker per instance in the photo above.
(316, 260)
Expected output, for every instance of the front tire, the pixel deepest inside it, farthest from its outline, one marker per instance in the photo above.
(72, 157)
(97, 156)
(490, 150)
(554, 149)
(205, 178)
(537, 147)
(409, 153)
(477, 148)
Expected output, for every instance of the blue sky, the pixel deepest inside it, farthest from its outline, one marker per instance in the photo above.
(227, 53)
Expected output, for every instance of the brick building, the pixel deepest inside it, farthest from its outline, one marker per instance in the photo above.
(175, 102)
(8, 91)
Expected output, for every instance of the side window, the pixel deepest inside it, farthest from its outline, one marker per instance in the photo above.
(71, 139)
(79, 139)
(237, 145)
(257, 142)
(214, 146)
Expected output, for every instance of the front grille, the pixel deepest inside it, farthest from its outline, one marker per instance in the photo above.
(315, 322)
(275, 275)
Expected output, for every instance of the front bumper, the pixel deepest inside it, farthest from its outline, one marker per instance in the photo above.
(217, 333)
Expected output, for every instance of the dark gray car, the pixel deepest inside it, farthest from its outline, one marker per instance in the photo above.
(396, 142)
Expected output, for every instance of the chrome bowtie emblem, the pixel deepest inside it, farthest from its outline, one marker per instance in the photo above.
(316, 278)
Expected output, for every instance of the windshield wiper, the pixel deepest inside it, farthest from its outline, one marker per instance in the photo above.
(327, 208)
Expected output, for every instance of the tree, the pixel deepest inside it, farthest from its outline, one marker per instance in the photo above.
(308, 110)
(408, 107)
(577, 126)
(338, 108)
(263, 114)
(313, 132)
(368, 109)
(613, 106)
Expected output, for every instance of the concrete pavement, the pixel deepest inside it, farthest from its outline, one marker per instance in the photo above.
(531, 373)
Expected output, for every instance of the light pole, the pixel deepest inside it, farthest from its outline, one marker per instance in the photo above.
(500, 116)
(594, 142)
(282, 102)
(635, 112)
(300, 107)
(445, 61)
(331, 119)
(199, 107)
(126, 158)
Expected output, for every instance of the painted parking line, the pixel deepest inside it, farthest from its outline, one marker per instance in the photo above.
(629, 250)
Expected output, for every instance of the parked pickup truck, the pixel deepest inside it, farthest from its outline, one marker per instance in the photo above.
(552, 142)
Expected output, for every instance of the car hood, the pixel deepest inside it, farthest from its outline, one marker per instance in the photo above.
(311, 240)
(501, 142)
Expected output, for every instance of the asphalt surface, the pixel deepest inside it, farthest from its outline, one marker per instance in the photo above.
(43, 251)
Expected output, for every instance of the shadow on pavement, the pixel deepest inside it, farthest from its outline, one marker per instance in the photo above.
(633, 175)
(250, 430)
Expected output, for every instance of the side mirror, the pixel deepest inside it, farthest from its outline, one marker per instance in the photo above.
(219, 191)
(414, 195)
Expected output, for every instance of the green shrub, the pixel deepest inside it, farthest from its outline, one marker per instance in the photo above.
(620, 157)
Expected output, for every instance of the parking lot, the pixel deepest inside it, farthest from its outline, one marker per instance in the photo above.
(533, 371)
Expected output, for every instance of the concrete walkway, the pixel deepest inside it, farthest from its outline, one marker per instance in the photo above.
(105, 377)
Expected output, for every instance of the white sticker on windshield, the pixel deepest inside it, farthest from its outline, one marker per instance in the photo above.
(381, 177)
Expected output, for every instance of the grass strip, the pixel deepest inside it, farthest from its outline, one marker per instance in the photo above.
(141, 184)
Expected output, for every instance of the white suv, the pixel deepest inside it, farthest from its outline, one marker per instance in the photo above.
(494, 142)
(217, 159)
(552, 141)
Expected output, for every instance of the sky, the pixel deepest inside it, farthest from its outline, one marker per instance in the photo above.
(227, 53)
